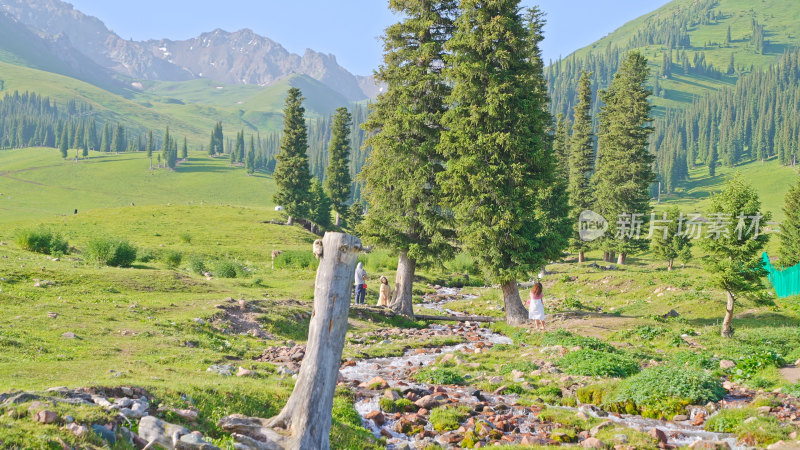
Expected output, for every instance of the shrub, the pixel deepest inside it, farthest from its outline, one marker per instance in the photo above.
(663, 391)
(145, 256)
(596, 394)
(567, 339)
(296, 259)
(197, 265)
(463, 263)
(440, 375)
(522, 366)
(224, 268)
(700, 360)
(749, 427)
(186, 238)
(41, 241)
(379, 260)
(172, 258)
(448, 418)
(597, 363)
(563, 416)
(750, 365)
(729, 420)
(111, 252)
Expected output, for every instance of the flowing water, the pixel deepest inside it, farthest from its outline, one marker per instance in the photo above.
(395, 371)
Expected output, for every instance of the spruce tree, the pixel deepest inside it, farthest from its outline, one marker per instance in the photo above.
(733, 257)
(185, 149)
(337, 175)
(624, 168)
(405, 212)
(292, 174)
(667, 244)
(561, 145)
(790, 228)
(250, 162)
(501, 177)
(581, 163)
(320, 213)
(105, 143)
(63, 142)
(166, 147)
(240, 143)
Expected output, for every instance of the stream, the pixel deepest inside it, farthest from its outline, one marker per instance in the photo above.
(517, 424)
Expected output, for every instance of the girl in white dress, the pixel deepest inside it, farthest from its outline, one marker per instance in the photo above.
(536, 307)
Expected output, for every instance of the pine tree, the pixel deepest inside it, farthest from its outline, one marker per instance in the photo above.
(728, 39)
(624, 168)
(401, 187)
(250, 162)
(166, 147)
(790, 228)
(581, 163)
(734, 256)
(666, 242)
(240, 144)
(105, 143)
(292, 174)
(561, 145)
(501, 176)
(63, 142)
(320, 205)
(185, 149)
(150, 144)
(337, 175)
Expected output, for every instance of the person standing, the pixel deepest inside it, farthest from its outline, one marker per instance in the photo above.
(385, 294)
(361, 287)
(536, 307)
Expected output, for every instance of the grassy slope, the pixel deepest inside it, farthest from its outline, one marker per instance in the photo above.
(779, 16)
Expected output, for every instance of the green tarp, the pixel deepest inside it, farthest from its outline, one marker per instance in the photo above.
(786, 282)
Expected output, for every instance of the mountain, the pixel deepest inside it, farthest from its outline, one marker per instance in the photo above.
(241, 57)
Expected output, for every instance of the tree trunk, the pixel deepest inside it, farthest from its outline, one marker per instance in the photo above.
(612, 256)
(403, 286)
(581, 257)
(669, 265)
(290, 221)
(621, 258)
(307, 414)
(727, 323)
(338, 219)
(606, 256)
(516, 314)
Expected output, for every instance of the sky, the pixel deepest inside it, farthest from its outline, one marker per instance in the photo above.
(349, 29)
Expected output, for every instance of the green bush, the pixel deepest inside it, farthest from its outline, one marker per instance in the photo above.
(440, 375)
(463, 263)
(379, 260)
(729, 420)
(749, 426)
(448, 418)
(296, 259)
(111, 252)
(145, 255)
(567, 339)
(41, 241)
(197, 265)
(750, 365)
(172, 258)
(596, 394)
(597, 363)
(186, 238)
(700, 360)
(522, 366)
(663, 391)
(224, 268)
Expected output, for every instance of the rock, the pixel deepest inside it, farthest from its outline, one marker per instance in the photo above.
(105, 434)
(244, 372)
(582, 415)
(428, 402)
(728, 385)
(101, 401)
(699, 419)
(593, 443)
(186, 414)
(726, 364)
(194, 441)
(78, 430)
(392, 395)
(658, 434)
(152, 429)
(710, 445)
(52, 315)
(621, 438)
(597, 428)
(376, 416)
(123, 402)
(45, 416)
(68, 335)
(517, 375)
(226, 370)
(764, 409)
(284, 371)
(69, 419)
(680, 418)
(377, 383)
(782, 445)
(671, 314)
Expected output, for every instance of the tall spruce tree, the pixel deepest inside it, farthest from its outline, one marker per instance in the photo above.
(561, 145)
(150, 144)
(581, 163)
(668, 242)
(624, 169)
(501, 178)
(250, 161)
(292, 174)
(166, 147)
(185, 149)
(401, 187)
(337, 175)
(320, 213)
(733, 256)
(790, 228)
(105, 143)
(63, 142)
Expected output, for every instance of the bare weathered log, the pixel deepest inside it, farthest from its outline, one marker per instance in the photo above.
(516, 314)
(402, 300)
(307, 415)
(461, 318)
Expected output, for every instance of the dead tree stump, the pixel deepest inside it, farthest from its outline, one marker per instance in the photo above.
(305, 421)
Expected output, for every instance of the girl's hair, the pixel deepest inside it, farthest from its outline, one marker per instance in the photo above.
(384, 280)
(537, 290)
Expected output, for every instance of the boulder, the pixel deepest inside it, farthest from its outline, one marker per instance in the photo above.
(726, 364)
(376, 416)
(593, 443)
(428, 402)
(680, 418)
(596, 429)
(156, 430)
(45, 416)
(658, 434)
(78, 430)
(709, 445)
(194, 441)
(244, 372)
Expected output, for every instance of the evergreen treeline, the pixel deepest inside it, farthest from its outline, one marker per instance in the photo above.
(756, 120)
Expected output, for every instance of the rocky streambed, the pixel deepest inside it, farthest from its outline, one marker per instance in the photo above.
(489, 418)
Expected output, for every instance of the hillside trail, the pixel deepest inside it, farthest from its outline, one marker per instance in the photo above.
(496, 416)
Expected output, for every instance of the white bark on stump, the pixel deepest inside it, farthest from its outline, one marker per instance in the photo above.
(307, 415)
(581, 257)
(403, 288)
(516, 314)
(727, 323)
